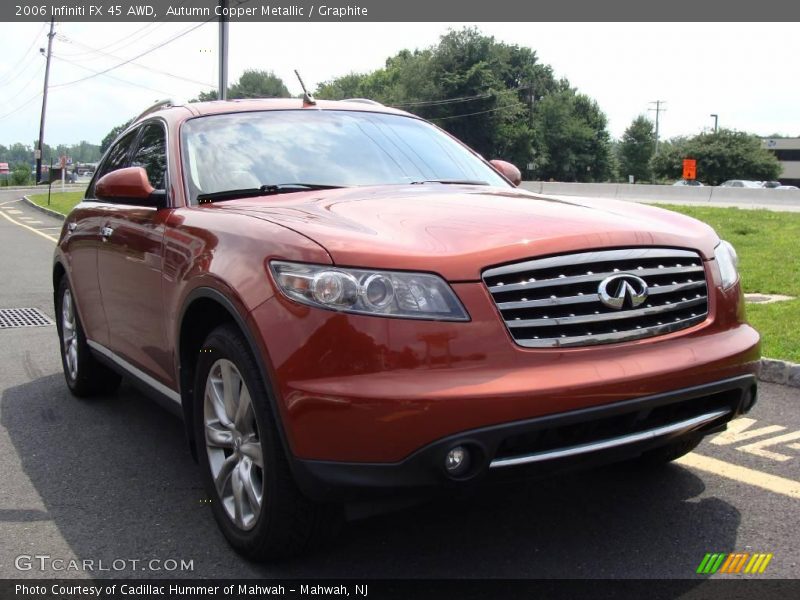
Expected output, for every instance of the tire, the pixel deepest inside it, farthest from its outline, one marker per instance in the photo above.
(84, 374)
(666, 454)
(254, 498)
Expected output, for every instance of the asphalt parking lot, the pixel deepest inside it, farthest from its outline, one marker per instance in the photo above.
(111, 479)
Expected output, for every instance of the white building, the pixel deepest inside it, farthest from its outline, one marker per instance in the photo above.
(787, 150)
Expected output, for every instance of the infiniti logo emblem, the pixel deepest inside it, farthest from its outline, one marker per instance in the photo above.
(615, 289)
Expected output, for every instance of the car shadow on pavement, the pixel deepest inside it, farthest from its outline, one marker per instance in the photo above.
(116, 478)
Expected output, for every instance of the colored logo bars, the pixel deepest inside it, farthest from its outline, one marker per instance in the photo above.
(734, 563)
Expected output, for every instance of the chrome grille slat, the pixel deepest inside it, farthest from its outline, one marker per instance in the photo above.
(609, 316)
(533, 285)
(619, 336)
(555, 301)
(589, 258)
(664, 289)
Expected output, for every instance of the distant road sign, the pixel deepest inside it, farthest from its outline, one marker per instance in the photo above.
(689, 168)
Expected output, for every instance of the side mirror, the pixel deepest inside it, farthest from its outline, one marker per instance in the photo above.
(507, 170)
(129, 186)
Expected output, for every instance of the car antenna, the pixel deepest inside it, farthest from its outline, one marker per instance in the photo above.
(307, 98)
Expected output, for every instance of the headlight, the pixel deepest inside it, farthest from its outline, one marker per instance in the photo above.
(385, 293)
(727, 261)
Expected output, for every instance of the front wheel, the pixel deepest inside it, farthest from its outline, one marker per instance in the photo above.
(254, 498)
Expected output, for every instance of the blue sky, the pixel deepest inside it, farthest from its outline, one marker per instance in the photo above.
(741, 71)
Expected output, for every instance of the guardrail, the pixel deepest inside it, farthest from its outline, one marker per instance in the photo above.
(667, 193)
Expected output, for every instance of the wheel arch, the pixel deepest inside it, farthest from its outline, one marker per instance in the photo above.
(59, 272)
(204, 309)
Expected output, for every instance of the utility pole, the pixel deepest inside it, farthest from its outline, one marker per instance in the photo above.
(658, 110)
(50, 37)
(531, 99)
(716, 122)
(222, 92)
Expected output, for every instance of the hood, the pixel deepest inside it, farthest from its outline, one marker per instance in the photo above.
(459, 230)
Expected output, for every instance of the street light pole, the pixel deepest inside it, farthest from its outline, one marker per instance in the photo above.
(222, 92)
(44, 103)
(716, 122)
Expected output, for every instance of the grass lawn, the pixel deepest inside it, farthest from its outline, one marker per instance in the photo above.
(768, 245)
(59, 201)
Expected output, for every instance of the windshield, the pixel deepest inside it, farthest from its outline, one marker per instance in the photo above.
(249, 150)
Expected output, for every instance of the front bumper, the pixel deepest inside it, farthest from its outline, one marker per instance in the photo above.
(573, 439)
(360, 389)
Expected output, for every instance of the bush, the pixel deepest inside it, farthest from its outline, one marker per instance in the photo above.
(21, 175)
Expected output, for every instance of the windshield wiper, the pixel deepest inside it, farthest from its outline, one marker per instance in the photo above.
(451, 182)
(265, 190)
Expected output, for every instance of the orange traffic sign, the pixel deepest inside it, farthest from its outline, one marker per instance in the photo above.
(689, 168)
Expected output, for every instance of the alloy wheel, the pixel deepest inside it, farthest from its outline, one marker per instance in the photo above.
(69, 334)
(233, 444)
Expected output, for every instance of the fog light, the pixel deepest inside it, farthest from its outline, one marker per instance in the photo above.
(457, 461)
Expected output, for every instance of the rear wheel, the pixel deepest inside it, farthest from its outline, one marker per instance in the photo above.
(254, 498)
(84, 374)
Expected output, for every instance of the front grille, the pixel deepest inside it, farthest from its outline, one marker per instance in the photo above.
(555, 301)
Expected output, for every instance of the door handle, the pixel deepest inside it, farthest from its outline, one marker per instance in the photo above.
(72, 226)
(106, 232)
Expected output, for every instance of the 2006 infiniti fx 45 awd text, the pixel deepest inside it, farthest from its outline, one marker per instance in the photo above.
(341, 301)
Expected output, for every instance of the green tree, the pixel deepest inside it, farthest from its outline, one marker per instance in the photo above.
(636, 149)
(483, 92)
(572, 139)
(489, 94)
(724, 155)
(252, 84)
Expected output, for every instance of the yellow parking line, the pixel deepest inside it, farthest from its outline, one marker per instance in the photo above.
(36, 231)
(772, 483)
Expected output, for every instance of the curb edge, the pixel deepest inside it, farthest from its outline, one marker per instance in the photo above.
(780, 371)
(47, 211)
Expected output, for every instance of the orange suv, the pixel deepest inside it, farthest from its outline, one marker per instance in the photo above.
(341, 300)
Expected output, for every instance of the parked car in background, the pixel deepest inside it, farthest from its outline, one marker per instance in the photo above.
(740, 183)
(688, 182)
(344, 302)
(771, 184)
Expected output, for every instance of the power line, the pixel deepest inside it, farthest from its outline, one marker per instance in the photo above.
(148, 51)
(21, 106)
(114, 43)
(460, 99)
(447, 101)
(80, 66)
(480, 112)
(28, 82)
(135, 64)
(130, 35)
(130, 60)
(5, 79)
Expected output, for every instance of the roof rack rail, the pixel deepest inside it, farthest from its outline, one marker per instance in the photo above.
(363, 101)
(157, 106)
